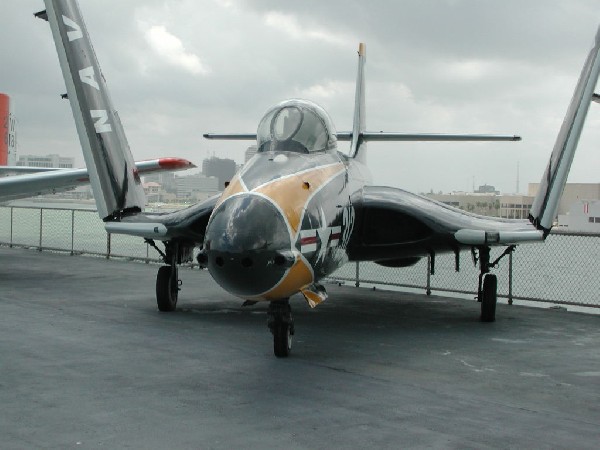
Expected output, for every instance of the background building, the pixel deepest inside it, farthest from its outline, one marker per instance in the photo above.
(584, 215)
(222, 169)
(196, 187)
(8, 132)
(573, 193)
(515, 206)
(165, 179)
(484, 204)
(250, 152)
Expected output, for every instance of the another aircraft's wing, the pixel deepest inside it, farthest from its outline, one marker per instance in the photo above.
(19, 170)
(51, 181)
(393, 224)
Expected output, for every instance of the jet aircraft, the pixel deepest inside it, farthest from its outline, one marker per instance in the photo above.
(300, 208)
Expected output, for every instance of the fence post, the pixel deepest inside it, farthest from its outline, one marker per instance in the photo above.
(72, 232)
(11, 225)
(107, 245)
(428, 290)
(510, 278)
(357, 280)
(147, 253)
(41, 228)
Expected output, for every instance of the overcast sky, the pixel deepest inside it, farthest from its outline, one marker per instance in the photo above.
(178, 69)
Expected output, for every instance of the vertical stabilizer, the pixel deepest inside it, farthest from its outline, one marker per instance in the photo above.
(358, 146)
(545, 204)
(113, 176)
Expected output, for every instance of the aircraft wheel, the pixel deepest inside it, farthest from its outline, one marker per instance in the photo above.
(166, 289)
(489, 298)
(282, 339)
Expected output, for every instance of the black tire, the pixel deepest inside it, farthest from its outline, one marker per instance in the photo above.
(489, 298)
(282, 339)
(166, 289)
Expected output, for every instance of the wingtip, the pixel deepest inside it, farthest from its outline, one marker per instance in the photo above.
(171, 163)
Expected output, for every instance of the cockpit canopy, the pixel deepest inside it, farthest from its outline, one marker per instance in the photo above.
(296, 126)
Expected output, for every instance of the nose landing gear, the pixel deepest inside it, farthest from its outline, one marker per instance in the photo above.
(281, 324)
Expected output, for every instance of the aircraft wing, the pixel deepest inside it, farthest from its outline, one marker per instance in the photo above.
(185, 225)
(19, 170)
(392, 224)
(51, 181)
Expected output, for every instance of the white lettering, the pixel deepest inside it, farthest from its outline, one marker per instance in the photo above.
(347, 224)
(76, 33)
(87, 76)
(101, 124)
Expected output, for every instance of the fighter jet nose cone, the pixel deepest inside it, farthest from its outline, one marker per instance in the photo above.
(247, 245)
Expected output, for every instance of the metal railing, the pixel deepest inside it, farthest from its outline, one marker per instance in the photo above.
(77, 231)
(563, 270)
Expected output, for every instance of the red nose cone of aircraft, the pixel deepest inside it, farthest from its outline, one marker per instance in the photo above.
(247, 245)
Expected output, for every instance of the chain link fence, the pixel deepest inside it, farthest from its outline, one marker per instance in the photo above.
(563, 270)
(78, 231)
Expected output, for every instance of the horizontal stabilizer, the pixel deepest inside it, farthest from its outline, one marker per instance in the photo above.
(374, 136)
(231, 136)
(385, 136)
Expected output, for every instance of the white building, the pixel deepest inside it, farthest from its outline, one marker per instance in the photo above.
(197, 186)
(573, 192)
(583, 216)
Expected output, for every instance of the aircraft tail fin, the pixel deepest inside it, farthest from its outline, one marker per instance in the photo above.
(545, 205)
(115, 181)
(358, 144)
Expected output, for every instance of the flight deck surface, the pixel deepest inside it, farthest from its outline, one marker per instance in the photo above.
(87, 361)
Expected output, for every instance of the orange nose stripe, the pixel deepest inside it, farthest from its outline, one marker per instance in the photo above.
(292, 193)
(298, 277)
(234, 187)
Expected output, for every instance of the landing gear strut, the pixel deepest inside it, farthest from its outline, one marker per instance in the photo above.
(281, 324)
(167, 280)
(487, 291)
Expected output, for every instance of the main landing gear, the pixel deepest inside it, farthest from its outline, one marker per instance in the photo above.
(167, 279)
(487, 291)
(167, 288)
(281, 324)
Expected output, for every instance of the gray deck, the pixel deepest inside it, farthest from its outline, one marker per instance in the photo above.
(86, 361)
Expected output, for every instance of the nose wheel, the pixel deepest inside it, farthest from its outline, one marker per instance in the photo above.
(281, 324)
